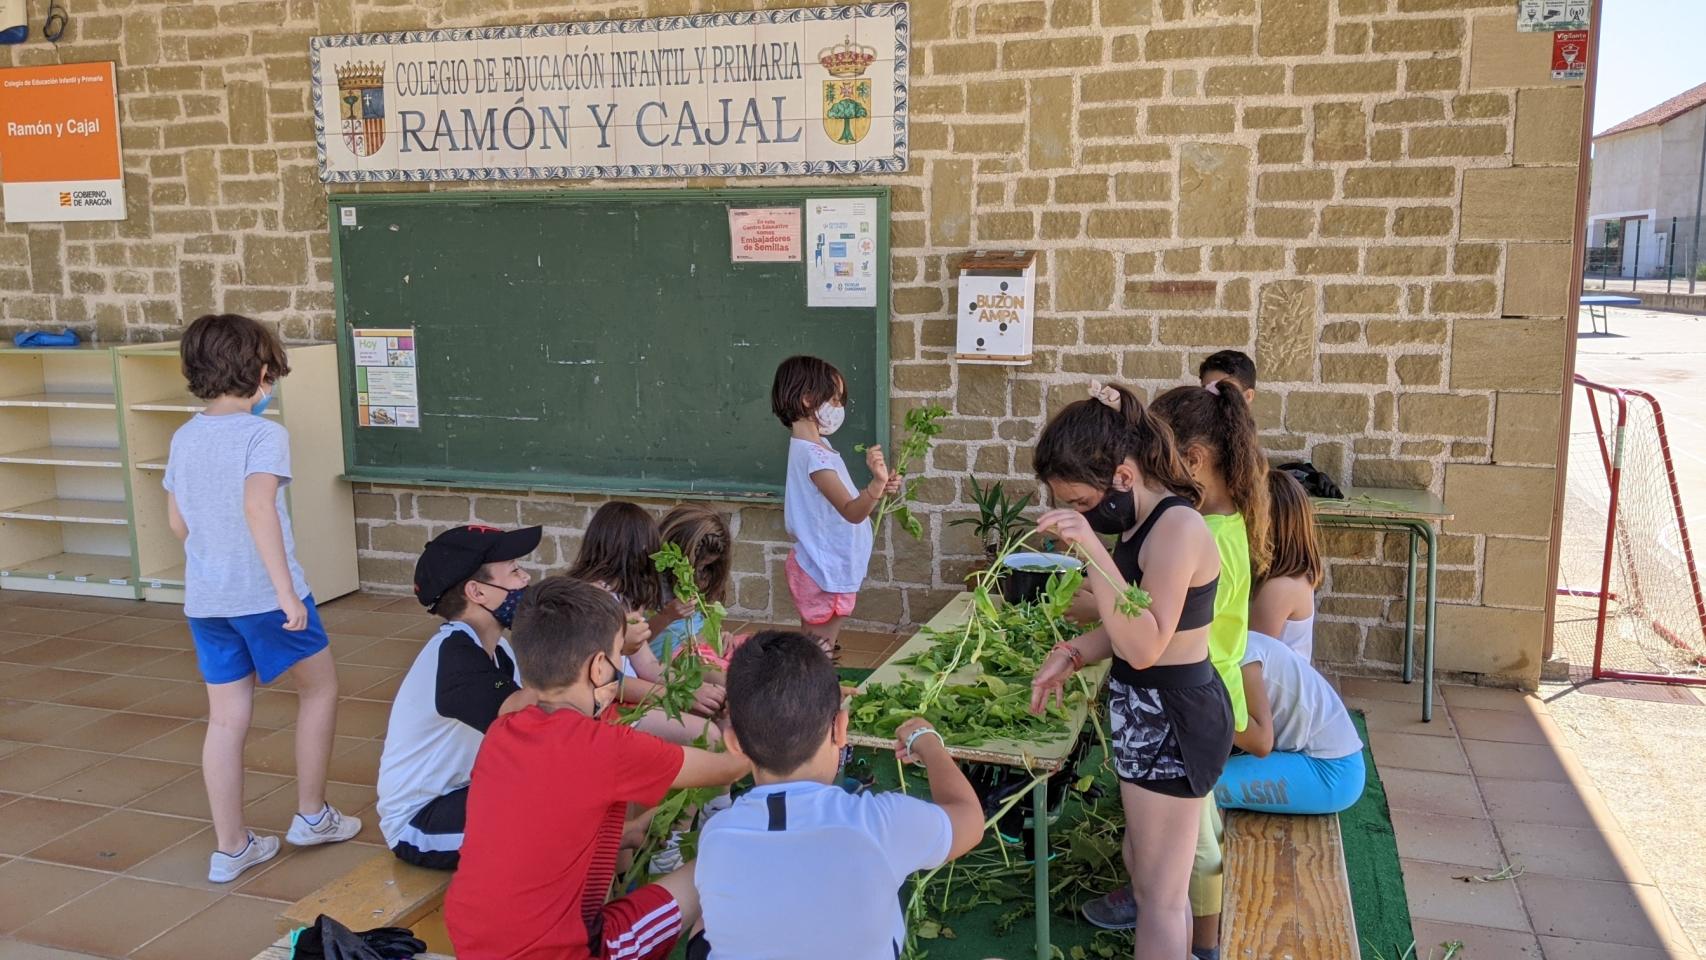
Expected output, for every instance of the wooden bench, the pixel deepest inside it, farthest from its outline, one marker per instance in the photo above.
(1288, 896)
(381, 891)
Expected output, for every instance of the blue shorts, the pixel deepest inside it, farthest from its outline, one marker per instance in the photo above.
(230, 648)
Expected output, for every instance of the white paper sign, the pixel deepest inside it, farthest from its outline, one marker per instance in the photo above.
(1544, 16)
(814, 91)
(841, 244)
(385, 378)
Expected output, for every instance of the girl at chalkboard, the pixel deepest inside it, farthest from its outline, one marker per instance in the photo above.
(616, 554)
(827, 516)
(1112, 470)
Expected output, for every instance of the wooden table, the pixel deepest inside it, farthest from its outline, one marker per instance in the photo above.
(1596, 304)
(1041, 756)
(1419, 513)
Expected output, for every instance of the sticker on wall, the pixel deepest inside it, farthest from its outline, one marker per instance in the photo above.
(1540, 16)
(1570, 55)
(842, 236)
(764, 234)
(386, 394)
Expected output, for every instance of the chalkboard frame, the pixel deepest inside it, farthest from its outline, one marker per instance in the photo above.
(622, 486)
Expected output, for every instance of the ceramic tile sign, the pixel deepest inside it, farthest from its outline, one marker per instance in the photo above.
(762, 93)
(1537, 16)
(59, 146)
(764, 234)
(841, 242)
(1570, 55)
(385, 387)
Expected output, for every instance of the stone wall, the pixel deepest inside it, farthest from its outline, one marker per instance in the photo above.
(1374, 197)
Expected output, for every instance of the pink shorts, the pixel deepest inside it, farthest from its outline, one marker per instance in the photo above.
(815, 604)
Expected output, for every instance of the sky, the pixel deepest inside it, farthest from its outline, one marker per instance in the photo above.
(1650, 51)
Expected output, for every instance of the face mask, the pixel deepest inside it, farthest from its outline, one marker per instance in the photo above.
(505, 613)
(1116, 514)
(599, 708)
(260, 406)
(830, 417)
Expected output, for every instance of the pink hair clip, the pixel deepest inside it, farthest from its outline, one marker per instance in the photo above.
(1105, 393)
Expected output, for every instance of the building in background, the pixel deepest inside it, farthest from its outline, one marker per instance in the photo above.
(1645, 194)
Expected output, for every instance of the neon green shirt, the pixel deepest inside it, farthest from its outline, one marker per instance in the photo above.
(1230, 630)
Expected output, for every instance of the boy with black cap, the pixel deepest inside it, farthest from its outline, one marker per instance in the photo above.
(462, 680)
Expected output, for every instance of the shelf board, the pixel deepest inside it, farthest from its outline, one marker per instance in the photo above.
(58, 456)
(171, 576)
(71, 511)
(77, 567)
(186, 403)
(63, 401)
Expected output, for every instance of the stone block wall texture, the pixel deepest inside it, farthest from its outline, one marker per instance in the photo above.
(1374, 197)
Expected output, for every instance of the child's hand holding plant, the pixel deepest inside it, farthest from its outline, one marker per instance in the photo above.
(879, 471)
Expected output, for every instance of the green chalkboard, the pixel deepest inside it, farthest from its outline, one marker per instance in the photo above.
(592, 340)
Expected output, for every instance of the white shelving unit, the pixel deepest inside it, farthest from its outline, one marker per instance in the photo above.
(84, 434)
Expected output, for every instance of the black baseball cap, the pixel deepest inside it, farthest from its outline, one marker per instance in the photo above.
(458, 554)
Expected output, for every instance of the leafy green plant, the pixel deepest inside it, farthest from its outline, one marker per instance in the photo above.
(922, 425)
(998, 518)
(683, 675)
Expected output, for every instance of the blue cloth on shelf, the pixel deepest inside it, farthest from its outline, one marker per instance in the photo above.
(41, 338)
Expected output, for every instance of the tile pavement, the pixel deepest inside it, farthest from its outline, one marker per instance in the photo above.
(104, 836)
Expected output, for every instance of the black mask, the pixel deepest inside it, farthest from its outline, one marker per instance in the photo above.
(1116, 514)
(505, 612)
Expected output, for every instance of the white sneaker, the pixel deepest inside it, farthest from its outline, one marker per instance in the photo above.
(224, 867)
(669, 859)
(333, 827)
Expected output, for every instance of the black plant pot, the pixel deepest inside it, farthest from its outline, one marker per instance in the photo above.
(1024, 576)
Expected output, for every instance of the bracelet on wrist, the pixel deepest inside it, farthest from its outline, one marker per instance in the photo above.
(922, 731)
(1072, 653)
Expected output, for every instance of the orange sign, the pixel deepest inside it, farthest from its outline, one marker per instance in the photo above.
(59, 143)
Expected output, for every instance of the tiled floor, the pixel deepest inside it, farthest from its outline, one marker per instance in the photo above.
(103, 821)
(104, 836)
(1490, 785)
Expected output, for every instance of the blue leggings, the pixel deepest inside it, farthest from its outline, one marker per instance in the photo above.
(1290, 783)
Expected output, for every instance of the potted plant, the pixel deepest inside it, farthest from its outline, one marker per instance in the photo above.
(998, 519)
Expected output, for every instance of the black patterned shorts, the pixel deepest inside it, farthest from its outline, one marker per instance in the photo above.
(1171, 731)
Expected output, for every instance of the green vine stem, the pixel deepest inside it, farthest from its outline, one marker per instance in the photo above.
(922, 426)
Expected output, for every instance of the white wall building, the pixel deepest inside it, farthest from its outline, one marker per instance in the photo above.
(1646, 170)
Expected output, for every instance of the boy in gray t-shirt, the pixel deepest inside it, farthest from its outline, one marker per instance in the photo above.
(248, 605)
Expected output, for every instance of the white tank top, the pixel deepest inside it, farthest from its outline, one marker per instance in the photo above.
(1299, 635)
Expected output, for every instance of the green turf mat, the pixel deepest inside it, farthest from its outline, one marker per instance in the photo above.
(1371, 859)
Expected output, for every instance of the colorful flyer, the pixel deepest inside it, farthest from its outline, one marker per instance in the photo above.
(764, 234)
(841, 234)
(59, 146)
(1570, 55)
(1542, 16)
(386, 390)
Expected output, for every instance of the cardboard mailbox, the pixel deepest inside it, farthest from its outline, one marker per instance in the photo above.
(997, 306)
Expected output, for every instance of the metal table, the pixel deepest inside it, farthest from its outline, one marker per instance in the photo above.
(1040, 756)
(1419, 513)
(1596, 304)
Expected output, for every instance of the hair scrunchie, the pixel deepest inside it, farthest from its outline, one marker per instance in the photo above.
(1109, 396)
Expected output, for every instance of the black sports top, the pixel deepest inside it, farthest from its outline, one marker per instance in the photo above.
(1198, 610)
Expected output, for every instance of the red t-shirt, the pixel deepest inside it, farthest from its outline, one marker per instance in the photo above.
(545, 811)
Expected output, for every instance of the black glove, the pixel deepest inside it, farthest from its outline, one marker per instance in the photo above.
(1315, 483)
(328, 939)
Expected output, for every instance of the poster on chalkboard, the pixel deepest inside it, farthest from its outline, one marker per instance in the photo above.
(841, 237)
(387, 393)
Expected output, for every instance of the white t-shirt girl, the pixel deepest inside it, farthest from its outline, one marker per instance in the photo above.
(833, 552)
(1309, 717)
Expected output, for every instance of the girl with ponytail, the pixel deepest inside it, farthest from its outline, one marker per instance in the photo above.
(1217, 440)
(1113, 470)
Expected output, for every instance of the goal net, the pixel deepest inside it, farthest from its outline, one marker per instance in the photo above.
(1630, 601)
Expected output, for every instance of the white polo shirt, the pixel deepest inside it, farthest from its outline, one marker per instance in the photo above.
(810, 870)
